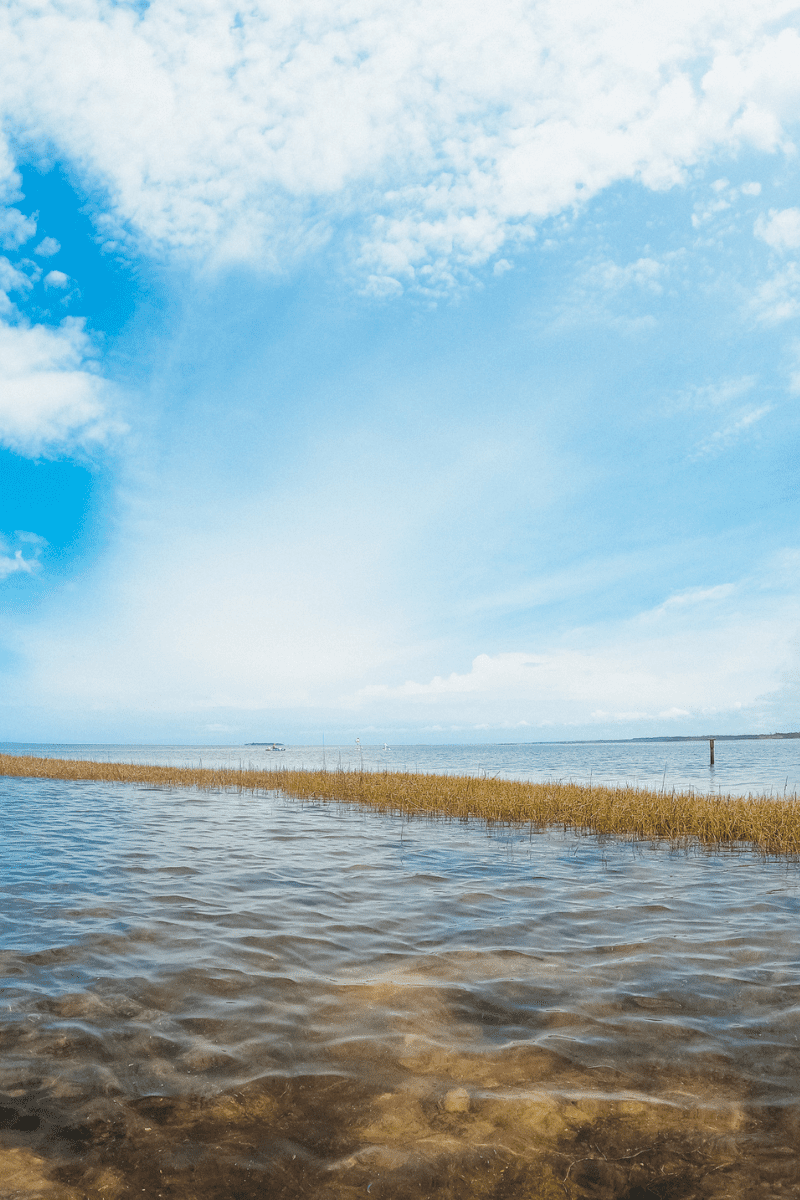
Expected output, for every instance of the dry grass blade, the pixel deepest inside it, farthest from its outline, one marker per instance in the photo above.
(762, 823)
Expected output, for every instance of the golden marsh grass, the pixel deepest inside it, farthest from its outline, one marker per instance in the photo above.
(764, 824)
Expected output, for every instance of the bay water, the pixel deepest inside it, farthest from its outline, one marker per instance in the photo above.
(743, 767)
(222, 995)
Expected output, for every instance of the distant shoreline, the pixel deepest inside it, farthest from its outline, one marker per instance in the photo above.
(719, 737)
(687, 737)
(681, 737)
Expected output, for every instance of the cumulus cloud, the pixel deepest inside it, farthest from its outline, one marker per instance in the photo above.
(48, 247)
(12, 280)
(781, 229)
(15, 229)
(645, 273)
(441, 134)
(777, 299)
(50, 395)
(618, 294)
(614, 292)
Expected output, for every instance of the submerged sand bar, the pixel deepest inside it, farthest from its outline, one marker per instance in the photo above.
(761, 823)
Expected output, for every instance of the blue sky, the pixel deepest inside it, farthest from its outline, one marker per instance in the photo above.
(417, 373)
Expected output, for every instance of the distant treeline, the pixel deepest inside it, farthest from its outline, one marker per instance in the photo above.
(718, 737)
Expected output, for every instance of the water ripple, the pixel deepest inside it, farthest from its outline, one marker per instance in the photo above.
(331, 1000)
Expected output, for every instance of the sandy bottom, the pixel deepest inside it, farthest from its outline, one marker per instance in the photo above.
(409, 1117)
(208, 998)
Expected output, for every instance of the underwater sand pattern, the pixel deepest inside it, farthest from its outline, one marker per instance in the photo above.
(222, 996)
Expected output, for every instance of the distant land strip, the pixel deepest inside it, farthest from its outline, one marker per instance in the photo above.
(717, 737)
(672, 737)
(762, 823)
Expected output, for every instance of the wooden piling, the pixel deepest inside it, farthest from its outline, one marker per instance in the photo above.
(711, 751)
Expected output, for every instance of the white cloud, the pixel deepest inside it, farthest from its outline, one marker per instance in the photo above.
(724, 197)
(15, 228)
(616, 293)
(13, 561)
(226, 608)
(697, 596)
(212, 616)
(778, 298)
(722, 439)
(50, 396)
(48, 247)
(644, 273)
(781, 229)
(440, 133)
(11, 280)
(10, 564)
(717, 395)
(382, 287)
(706, 210)
(647, 677)
(722, 403)
(704, 651)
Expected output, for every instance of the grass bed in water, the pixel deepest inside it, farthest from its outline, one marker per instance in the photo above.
(761, 823)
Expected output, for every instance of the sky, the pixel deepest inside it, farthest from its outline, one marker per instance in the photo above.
(411, 372)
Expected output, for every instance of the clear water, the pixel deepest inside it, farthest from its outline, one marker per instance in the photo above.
(741, 767)
(209, 995)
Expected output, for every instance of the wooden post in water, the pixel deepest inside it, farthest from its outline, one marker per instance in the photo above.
(711, 751)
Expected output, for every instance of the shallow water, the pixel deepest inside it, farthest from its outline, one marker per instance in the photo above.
(741, 767)
(214, 995)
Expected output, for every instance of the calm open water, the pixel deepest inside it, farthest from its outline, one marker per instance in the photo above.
(740, 768)
(216, 995)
